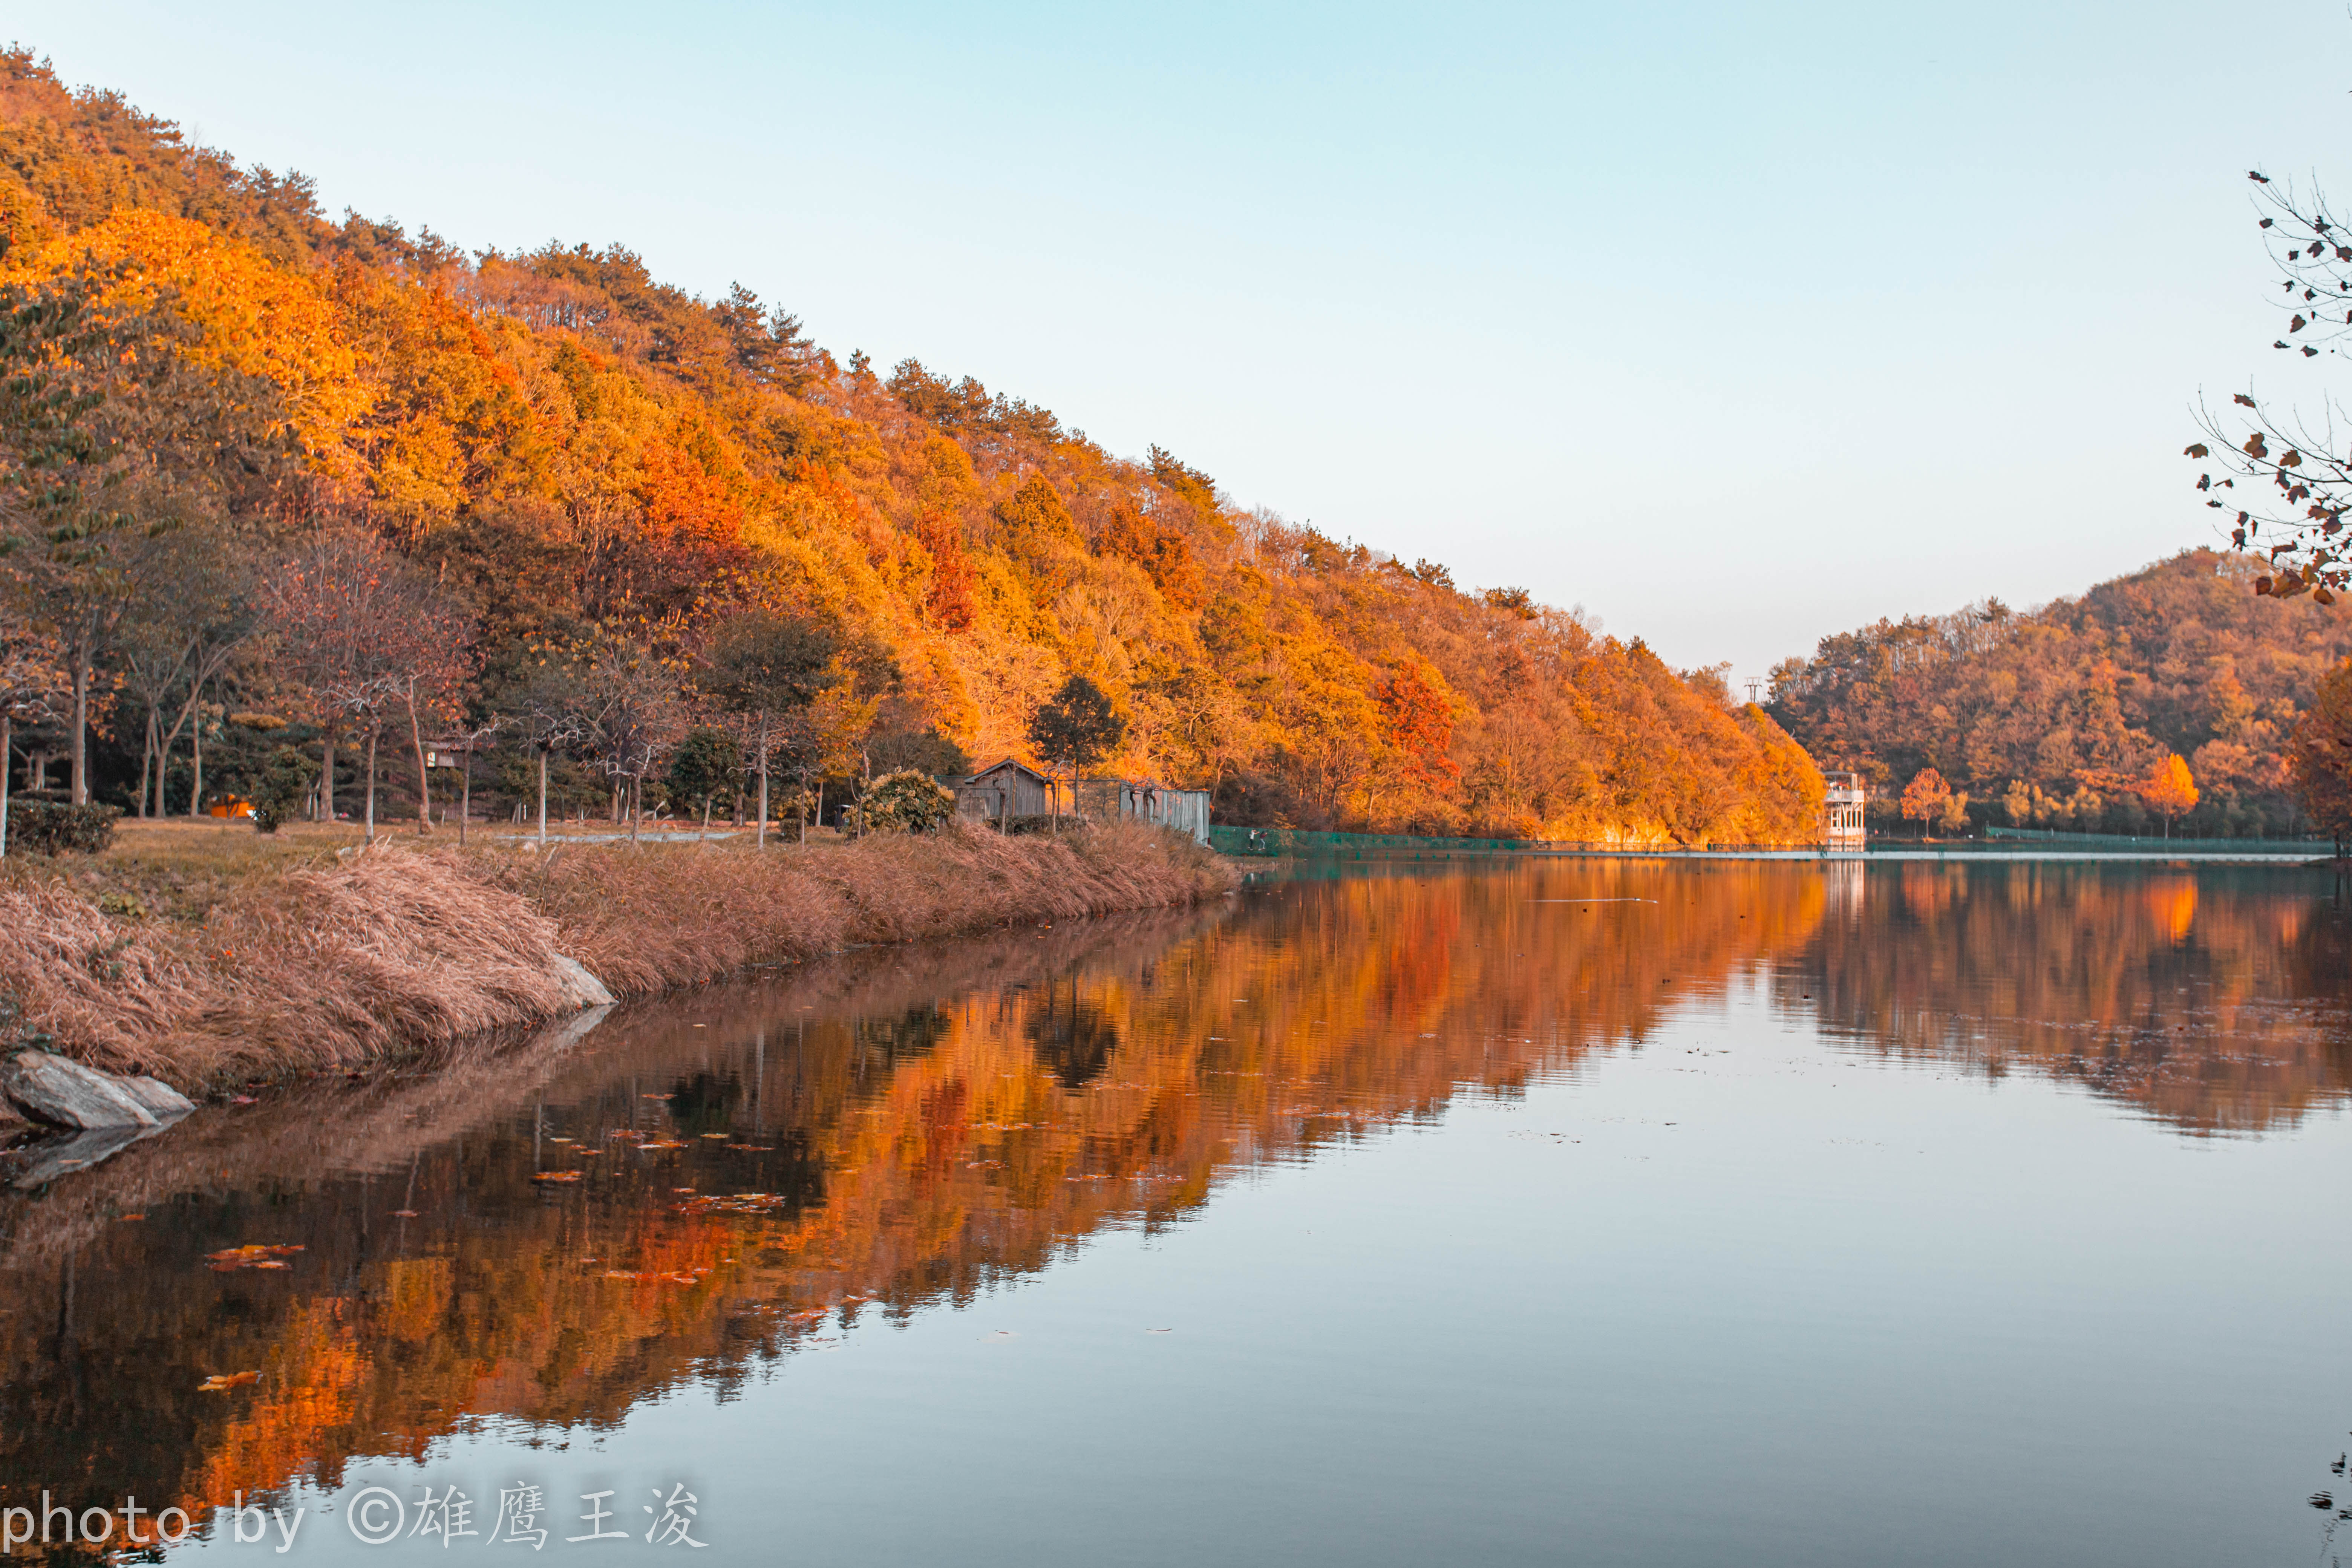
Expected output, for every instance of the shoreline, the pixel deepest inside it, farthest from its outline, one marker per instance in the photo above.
(371, 956)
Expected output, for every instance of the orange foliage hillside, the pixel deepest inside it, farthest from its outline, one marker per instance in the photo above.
(571, 443)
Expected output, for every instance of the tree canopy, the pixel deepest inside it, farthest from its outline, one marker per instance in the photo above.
(2055, 717)
(672, 501)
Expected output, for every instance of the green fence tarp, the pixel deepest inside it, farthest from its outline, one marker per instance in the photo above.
(1298, 844)
(2158, 844)
(1291, 841)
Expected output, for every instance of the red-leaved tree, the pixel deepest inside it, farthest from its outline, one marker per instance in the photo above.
(367, 635)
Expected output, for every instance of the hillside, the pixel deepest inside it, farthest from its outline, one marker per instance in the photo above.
(582, 458)
(2039, 714)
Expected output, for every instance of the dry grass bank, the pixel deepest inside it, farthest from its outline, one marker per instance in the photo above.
(249, 960)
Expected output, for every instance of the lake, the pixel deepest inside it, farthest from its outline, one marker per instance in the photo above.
(1603, 1212)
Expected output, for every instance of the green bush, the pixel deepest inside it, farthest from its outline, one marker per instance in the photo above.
(906, 802)
(278, 791)
(39, 827)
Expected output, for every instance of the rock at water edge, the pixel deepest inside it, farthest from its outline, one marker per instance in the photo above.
(66, 1094)
(581, 989)
(161, 1098)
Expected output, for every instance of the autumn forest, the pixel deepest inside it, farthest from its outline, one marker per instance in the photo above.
(2056, 718)
(296, 496)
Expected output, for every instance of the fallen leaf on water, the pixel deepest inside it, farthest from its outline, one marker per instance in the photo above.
(681, 1189)
(254, 1256)
(733, 1202)
(403, 1213)
(555, 1175)
(219, 1382)
(243, 1100)
(130, 1216)
(718, 1135)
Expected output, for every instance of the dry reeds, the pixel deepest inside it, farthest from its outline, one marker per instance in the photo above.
(397, 949)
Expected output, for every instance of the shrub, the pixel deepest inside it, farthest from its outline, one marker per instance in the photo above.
(40, 828)
(284, 785)
(906, 802)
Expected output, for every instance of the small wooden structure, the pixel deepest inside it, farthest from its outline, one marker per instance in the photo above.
(1147, 800)
(1841, 824)
(1002, 790)
(451, 750)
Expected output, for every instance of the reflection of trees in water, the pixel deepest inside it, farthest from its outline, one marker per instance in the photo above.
(2212, 999)
(2335, 1510)
(920, 1132)
(1072, 1035)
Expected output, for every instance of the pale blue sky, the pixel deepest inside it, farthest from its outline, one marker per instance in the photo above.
(1737, 325)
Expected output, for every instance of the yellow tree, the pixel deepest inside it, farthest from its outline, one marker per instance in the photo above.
(1926, 797)
(2168, 790)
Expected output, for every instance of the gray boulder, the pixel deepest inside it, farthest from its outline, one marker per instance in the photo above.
(581, 989)
(66, 1094)
(161, 1100)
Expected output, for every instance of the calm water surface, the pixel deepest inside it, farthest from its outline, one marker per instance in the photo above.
(1594, 1212)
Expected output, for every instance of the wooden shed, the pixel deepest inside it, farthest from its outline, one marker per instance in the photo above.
(1146, 800)
(1001, 790)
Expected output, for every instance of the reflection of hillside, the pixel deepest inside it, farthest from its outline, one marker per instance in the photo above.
(921, 1123)
(2214, 1000)
(916, 1124)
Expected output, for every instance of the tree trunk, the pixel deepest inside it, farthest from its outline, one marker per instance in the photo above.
(7, 772)
(761, 841)
(704, 835)
(423, 779)
(327, 775)
(466, 795)
(146, 760)
(542, 797)
(163, 748)
(197, 757)
(371, 782)
(636, 808)
(80, 754)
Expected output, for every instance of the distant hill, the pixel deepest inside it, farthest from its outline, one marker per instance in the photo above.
(2039, 714)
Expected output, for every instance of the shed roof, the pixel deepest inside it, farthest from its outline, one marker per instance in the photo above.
(1012, 763)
